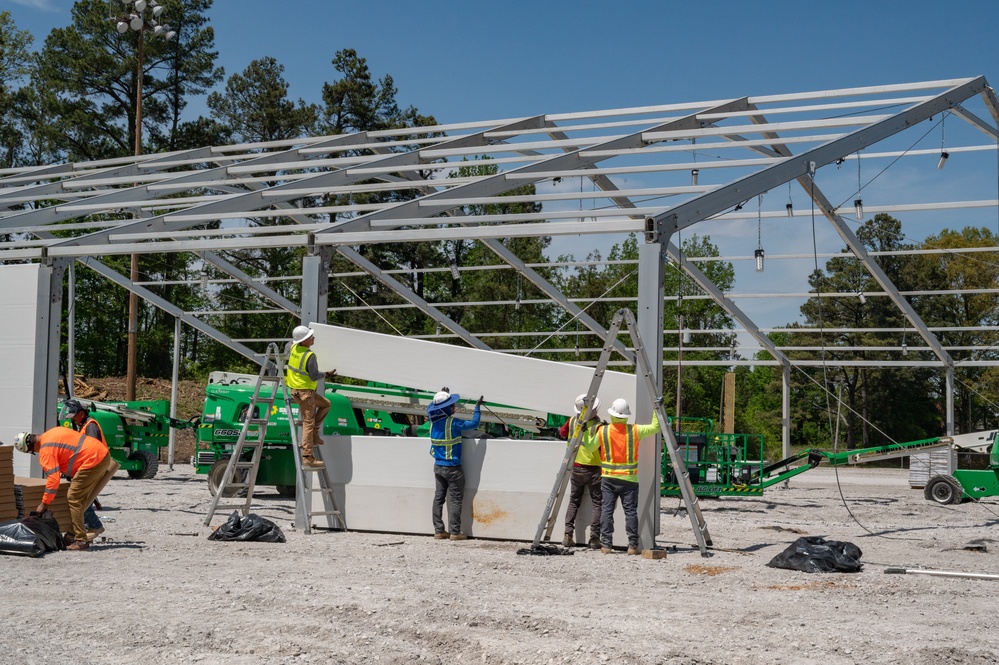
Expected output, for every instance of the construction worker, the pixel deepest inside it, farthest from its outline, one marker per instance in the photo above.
(85, 459)
(302, 376)
(81, 421)
(617, 443)
(445, 447)
(585, 475)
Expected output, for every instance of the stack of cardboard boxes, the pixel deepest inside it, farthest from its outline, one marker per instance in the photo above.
(32, 491)
(8, 504)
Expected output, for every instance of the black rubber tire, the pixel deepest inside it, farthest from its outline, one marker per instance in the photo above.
(944, 490)
(215, 475)
(150, 465)
(286, 490)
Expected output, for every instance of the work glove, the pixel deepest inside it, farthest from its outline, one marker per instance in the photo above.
(331, 374)
(482, 400)
(445, 389)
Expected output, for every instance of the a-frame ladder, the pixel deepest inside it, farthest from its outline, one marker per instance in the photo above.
(241, 474)
(644, 370)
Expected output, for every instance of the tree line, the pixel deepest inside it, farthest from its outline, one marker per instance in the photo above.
(74, 99)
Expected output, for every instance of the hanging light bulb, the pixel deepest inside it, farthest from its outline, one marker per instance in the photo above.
(943, 159)
(758, 255)
(516, 304)
(686, 336)
(863, 298)
(858, 206)
(693, 177)
(905, 348)
(454, 271)
(204, 279)
(790, 210)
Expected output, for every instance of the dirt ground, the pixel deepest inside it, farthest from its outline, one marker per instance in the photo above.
(156, 590)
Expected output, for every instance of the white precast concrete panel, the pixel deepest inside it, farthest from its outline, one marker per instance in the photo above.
(20, 303)
(525, 382)
(386, 484)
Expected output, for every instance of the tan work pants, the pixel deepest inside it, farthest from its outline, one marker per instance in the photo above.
(312, 409)
(81, 488)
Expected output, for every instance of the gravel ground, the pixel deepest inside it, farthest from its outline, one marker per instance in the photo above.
(156, 590)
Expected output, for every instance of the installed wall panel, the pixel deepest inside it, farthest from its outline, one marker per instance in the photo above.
(386, 484)
(23, 310)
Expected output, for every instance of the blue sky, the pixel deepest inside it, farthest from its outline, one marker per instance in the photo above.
(472, 60)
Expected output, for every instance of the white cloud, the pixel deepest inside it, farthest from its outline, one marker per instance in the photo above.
(43, 5)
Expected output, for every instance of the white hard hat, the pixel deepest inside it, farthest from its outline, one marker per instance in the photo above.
(578, 406)
(301, 333)
(620, 409)
(21, 442)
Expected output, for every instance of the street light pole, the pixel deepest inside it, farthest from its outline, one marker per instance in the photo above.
(135, 19)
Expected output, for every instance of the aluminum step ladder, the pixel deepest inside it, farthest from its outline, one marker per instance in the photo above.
(550, 516)
(240, 473)
(304, 487)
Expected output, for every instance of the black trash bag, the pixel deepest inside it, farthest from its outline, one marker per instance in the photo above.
(33, 536)
(251, 527)
(546, 550)
(814, 554)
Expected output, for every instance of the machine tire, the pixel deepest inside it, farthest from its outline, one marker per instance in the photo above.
(944, 490)
(215, 475)
(150, 465)
(286, 490)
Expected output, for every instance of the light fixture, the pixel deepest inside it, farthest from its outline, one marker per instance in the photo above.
(136, 22)
(790, 204)
(516, 303)
(204, 279)
(758, 254)
(858, 206)
(122, 27)
(943, 159)
(905, 348)
(686, 336)
(693, 177)
(140, 5)
(454, 271)
(157, 10)
(790, 210)
(862, 297)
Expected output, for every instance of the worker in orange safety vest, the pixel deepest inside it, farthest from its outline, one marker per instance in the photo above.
(617, 443)
(85, 459)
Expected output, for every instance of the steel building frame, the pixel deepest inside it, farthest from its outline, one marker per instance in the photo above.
(643, 165)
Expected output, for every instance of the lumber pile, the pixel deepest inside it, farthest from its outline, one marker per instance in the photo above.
(8, 503)
(32, 490)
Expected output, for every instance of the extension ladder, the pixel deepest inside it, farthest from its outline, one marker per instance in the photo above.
(241, 472)
(550, 515)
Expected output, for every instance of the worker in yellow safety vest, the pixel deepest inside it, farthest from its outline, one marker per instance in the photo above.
(585, 475)
(617, 443)
(302, 376)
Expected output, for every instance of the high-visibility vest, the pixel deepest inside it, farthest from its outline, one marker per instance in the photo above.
(619, 451)
(99, 429)
(443, 449)
(66, 451)
(583, 456)
(296, 376)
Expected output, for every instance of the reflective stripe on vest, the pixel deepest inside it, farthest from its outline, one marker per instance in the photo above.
(296, 376)
(75, 448)
(446, 444)
(613, 447)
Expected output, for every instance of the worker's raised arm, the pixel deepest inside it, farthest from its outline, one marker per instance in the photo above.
(651, 428)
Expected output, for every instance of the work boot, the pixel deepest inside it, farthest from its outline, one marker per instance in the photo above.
(79, 546)
(442, 535)
(634, 550)
(458, 536)
(92, 534)
(606, 550)
(594, 543)
(312, 463)
(568, 541)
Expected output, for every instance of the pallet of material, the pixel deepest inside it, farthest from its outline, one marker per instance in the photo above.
(32, 491)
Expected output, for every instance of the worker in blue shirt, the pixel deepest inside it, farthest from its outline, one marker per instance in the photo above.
(445, 447)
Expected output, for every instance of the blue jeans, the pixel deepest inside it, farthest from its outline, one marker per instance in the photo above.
(450, 483)
(90, 519)
(611, 489)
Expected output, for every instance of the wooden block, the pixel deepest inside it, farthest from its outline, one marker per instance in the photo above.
(653, 554)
